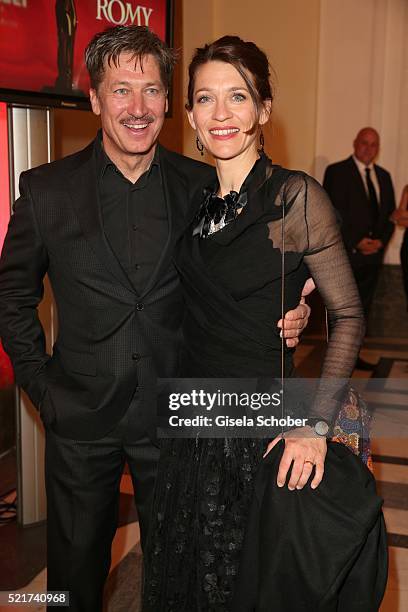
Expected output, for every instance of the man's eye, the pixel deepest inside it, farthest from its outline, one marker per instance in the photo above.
(237, 97)
(122, 91)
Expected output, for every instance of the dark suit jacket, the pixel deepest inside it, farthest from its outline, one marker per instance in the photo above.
(322, 550)
(345, 187)
(110, 339)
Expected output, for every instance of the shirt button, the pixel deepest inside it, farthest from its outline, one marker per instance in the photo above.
(139, 306)
(137, 266)
(136, 356)
(134, 227)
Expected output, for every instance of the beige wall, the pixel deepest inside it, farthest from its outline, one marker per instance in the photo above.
(198, 28)
(73, 130)
(288, 31)
(363, 80)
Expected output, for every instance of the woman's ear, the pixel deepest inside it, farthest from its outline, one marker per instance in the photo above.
(265, 113)
(191, 119)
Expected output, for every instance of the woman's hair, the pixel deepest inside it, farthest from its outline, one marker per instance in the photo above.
(251, 63)
(139, 41)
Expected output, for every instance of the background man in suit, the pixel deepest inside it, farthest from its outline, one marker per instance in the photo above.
(102, 223)
(364, 196)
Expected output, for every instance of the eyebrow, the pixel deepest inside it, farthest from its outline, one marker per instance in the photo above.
(129, 84)
(230, 89)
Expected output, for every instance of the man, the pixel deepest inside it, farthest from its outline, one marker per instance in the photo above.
(364, 196)
(102, 223)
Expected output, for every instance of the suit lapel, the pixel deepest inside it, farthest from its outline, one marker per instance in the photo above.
(176, 199)
(84, 196)
(358, 181)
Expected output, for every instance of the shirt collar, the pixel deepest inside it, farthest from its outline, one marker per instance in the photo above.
(103, 161)
(362, 167)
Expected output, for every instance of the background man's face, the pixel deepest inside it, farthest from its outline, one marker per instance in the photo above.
(366, 146)
(132, 102)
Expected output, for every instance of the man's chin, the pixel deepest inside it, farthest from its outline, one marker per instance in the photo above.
(139, 148)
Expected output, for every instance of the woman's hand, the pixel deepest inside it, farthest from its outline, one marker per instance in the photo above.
(305, 450)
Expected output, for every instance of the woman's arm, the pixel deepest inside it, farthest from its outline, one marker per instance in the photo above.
(319, 235)
(400, 215)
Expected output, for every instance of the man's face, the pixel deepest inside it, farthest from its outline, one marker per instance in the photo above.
(366, 146)
(132, 102)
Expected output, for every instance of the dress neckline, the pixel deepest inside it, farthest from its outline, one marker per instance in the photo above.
(216, 212)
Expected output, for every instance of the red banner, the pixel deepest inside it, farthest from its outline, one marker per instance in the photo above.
(42, 42)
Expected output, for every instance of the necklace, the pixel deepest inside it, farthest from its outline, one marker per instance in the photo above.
(215, 212)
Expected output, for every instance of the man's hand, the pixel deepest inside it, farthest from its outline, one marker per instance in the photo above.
(296, 320)
(369, 246)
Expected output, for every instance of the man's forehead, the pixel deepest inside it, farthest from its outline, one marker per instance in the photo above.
(133, 62)
(368, 135)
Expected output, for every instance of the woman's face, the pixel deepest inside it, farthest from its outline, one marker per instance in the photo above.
(224, 113)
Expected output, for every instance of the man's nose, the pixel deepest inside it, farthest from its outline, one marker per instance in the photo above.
(137, 104)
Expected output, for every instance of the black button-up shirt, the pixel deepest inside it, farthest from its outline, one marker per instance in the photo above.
(134, 217)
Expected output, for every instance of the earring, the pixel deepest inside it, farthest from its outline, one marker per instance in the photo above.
(261, 142)
(200, 145)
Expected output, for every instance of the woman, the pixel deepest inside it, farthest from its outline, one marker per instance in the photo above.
(230, 265)
(400, 217)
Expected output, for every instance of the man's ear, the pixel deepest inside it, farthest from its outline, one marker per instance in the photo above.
(265, 112)
(96, 108)
(191, 119)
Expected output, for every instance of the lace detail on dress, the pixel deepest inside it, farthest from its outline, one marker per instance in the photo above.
(206, 487)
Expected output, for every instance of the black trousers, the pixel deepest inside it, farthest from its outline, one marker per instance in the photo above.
(82, 482)
(367, 279)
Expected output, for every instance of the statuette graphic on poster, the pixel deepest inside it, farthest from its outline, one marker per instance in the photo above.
(42, 43)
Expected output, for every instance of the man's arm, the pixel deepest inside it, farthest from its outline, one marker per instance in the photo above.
(23, 264)
(334, 184)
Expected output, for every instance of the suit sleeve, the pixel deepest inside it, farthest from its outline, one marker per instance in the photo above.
(23, 264)
(335, 188)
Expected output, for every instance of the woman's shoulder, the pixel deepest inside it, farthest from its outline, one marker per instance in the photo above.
(290, 182)
(295, 190)
(291, 177)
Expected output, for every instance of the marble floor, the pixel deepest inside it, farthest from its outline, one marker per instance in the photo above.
(390, 454)
(390, 468)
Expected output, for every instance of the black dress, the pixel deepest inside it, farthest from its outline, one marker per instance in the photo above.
(231, 280)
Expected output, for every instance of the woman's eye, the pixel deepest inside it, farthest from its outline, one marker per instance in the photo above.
(152, 91)
(237, 97)
(203, 99)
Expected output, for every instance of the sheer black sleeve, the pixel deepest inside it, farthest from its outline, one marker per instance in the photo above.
(312, 228)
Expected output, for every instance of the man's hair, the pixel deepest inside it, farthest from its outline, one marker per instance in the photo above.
(106, 47)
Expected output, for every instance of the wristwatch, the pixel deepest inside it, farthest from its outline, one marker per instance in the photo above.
(321, 427)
